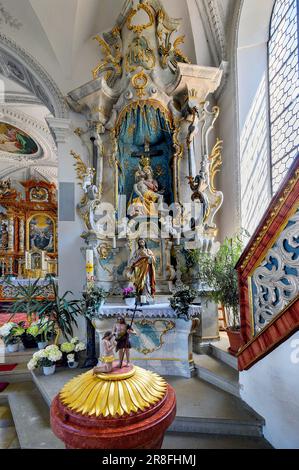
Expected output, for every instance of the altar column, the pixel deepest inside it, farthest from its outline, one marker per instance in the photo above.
(10, 233)
(22, 236)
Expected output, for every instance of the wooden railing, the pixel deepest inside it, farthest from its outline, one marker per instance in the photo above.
(268, 273)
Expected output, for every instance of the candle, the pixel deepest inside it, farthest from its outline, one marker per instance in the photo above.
(27, 260)
(89, 265)
(143, 299)
(44, 263)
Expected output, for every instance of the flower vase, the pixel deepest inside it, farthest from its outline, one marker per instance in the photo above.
(73, 365)
(11, 348)
(49, 370)
(130, 302)
(42, 344)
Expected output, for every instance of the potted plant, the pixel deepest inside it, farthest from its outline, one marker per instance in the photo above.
(11, 334)
(59, 312)
(181, 301)
(45, 358)
(129, 296)
(72, 351)
(42, 331)
(93, 298)
(71, 361)
(220, 275)
(28, 301)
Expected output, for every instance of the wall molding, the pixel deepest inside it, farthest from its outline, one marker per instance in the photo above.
(21, 67)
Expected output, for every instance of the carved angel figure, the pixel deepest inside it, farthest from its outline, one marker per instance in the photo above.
(5, 187)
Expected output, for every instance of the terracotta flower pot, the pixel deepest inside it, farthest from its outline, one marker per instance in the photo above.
(235, 341)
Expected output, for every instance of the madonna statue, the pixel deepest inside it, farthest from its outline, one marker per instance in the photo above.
(142, 269)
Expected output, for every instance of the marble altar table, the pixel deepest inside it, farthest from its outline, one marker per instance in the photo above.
(163, 342)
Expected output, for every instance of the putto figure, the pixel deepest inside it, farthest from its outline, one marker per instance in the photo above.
(142, 271)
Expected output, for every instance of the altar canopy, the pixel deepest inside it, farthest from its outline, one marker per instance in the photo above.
(145, 125)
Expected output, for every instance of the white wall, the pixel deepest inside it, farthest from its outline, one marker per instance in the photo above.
(71, 261)
(271, 388)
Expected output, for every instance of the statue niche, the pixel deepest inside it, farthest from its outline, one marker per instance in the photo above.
(144, 154)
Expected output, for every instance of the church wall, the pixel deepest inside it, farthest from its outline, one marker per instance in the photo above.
(271, 388)
(229, 221)
(202, 49)
(71, 261)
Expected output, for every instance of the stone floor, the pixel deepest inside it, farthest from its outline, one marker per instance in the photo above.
(207, 441)
(208, 417)
(8, 433)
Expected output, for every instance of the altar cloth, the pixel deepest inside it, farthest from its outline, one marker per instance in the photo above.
(161, 310)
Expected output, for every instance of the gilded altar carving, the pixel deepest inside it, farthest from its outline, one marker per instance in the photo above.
(139, 82)
(215, 162)
(140, 27)
(111, 63)
(139, 55)
(170, 54)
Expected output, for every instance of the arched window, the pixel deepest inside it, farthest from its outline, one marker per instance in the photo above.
(283, 88)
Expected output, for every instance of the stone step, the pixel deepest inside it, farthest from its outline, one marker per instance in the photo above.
(29, 411)
(207, 441)
(222, 354)
(20, 357)
(5, 415)
(204, 408)
(201, 407)
(19, 374)
(217, 373)
(8, 437)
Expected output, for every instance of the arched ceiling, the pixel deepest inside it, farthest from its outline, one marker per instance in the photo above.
(59, 33)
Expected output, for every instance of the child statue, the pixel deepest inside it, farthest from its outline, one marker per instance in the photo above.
(108, 344)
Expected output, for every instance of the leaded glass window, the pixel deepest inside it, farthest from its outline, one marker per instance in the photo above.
(283, 88)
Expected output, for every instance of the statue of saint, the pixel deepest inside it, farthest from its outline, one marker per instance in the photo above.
(146, 198)
(142, 269)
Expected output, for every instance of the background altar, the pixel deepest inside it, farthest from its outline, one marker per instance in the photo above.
(163, 342)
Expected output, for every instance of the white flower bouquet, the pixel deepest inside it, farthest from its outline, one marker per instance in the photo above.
(73, 348)
(12, 332)
(45, 357)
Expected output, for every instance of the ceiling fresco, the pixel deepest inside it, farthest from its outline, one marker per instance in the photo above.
(15, 141)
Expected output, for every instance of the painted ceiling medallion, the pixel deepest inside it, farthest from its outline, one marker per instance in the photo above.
(15, 141)
(140, 27)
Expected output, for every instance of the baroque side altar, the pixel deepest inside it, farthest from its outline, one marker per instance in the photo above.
(145, 178)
